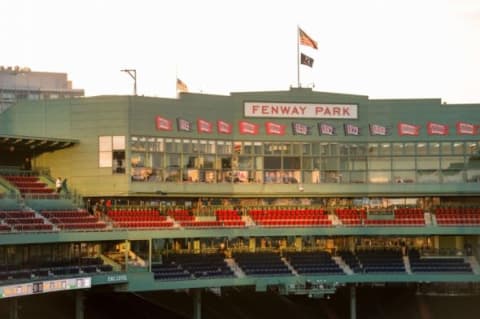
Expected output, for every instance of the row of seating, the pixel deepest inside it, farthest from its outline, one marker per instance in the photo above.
(29, 184)
(191, 266)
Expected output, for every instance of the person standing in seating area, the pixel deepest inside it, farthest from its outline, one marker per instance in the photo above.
(58, 185)
(28, 164)
(64, 186)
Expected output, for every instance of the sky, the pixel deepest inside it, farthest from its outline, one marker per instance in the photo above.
(378, 48)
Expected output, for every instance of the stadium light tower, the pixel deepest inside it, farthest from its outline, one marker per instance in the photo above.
(133, 75)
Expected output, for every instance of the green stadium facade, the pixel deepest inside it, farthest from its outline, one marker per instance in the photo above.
(262, 173)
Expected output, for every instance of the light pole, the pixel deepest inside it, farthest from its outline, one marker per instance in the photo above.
(133, 75)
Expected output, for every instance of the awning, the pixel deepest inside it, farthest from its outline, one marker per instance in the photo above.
(38, 145)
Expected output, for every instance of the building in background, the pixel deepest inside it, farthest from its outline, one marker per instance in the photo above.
(18, 83)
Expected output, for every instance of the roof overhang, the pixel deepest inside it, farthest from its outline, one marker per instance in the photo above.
(34, 144)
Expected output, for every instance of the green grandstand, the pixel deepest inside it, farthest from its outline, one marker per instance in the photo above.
(300, 194)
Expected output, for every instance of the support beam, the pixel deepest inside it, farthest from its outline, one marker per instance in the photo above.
(353, 302)
(14, 308)
(197, 303)
(79, 304)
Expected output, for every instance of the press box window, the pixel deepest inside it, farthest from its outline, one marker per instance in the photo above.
(112, 153)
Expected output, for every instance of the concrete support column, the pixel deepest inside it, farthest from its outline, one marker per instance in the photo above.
(79, 304)
(353, 302)
(127, 253)
(14, 308)
(197, 303)
(150, 255)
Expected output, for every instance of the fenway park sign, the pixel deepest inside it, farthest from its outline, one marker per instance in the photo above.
(301, 110)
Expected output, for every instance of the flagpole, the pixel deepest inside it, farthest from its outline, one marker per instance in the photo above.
(298, 56)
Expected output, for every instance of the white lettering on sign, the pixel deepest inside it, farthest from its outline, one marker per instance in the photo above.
(301, 110)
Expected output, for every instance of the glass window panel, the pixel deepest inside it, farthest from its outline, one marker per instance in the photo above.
(453, 162)
(344, 149)
(406, 162)
(258, 147)
(398, 149)
(379, 177)
(358, 150)
(104, 143)
(401, 177)
(434, 148)
(291, 162)
(244, 162)
(105, 159)
(297, 149)
(170, 146)
(385, 149)
(307, 163)
(272, 162)
(422, 149)
(333, 149)
(209, 161)
(379, 163)
(211, 147)
(178, 145)
(331, 176)
(247, 148)
(359, 177)
(452, 176)
(372, 149)
(357, 164)
(259, 162)
(201, 147)
(409, 148)
(428, 162)
(119, 143)
(306, 148)
(428, 176)
(472, 148)
(446, 148)
(187, 146)
(330, 163)
(287, 148)
(317, 149)
(458, 148)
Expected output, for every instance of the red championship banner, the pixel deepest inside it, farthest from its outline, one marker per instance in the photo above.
(437, 129)
(466, 128)
(247, 128)
(274, 128)
(163, 124)
(408, 129)
(224, 127)
(204, 126)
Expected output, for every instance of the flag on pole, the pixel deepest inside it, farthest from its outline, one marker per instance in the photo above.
(306, 60)
(181, 86)
(305, 39)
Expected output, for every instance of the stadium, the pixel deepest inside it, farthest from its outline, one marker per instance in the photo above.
(276, 204)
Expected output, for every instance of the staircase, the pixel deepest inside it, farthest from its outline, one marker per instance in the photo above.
(235, 268)
(290, 267)
(346, 269)
(474, 264)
